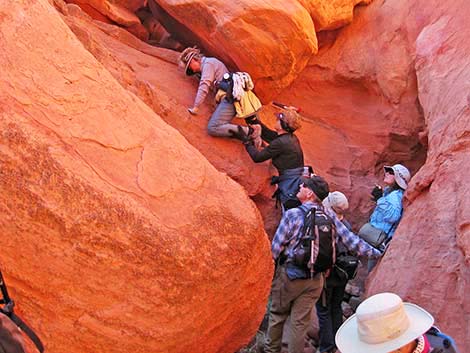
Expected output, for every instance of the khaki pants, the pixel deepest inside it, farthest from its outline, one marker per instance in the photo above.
(295, 298)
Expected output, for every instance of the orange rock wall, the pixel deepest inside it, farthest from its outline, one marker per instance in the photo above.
(390, 87)
(118, 235)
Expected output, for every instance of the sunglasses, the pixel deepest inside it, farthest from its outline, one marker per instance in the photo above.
(389, 171)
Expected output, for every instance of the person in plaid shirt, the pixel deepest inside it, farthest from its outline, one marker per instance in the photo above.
(296, 297)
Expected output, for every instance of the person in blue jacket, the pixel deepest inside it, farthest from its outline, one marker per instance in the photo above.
(388, 211)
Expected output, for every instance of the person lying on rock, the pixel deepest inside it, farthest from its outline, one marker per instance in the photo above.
(293, 291)
(384, 324)
(284, 150)
(211, 72)
(328, 307)
(388, 210)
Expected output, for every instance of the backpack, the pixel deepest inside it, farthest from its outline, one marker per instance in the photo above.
(440, 342)
(316, 249)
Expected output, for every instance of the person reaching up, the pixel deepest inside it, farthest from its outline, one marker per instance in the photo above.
(283, 149)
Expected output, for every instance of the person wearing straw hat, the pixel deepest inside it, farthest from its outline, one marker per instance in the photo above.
(383, 323)
(211, 71)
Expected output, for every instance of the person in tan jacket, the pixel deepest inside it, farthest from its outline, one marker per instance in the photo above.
(211, 72)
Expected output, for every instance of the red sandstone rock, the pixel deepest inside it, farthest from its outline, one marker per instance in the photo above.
(331, 14)
(432, 243)
(113, 10)
(90, 10)
(118, 235)
(271, 40)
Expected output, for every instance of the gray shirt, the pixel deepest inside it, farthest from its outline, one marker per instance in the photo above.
(212, 70)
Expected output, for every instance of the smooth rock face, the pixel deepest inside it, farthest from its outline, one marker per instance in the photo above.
(118, 236)
(432, 245)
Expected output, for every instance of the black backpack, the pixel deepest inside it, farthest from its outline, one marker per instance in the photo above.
(317, 244)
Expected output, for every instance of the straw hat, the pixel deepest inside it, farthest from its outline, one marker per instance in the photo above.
(186, 57)
(382, 323)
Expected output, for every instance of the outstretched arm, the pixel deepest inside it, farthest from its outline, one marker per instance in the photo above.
(266, 153)
(352, 242)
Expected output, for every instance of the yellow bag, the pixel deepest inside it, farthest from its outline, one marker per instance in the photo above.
(248, 105)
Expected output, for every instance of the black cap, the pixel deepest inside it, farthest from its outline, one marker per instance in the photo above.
(318, 185)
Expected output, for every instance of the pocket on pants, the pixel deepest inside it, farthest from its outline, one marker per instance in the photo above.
(278, 291)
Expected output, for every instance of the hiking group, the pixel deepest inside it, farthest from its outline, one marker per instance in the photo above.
(314, 248)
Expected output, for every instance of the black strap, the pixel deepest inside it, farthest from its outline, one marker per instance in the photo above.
(8, 311)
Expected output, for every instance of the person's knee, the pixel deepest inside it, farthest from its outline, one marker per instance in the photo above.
(212, 130)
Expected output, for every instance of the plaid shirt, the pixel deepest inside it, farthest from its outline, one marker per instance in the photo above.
(289, 233)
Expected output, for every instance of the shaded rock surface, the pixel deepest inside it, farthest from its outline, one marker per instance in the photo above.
(118, 235)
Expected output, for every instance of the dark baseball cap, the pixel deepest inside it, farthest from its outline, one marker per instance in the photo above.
(318, 185)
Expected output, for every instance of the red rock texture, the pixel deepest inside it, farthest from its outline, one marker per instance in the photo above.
(390, 87)
(118, 235)
(432, 243)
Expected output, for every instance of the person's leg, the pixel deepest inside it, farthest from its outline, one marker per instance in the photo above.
(278, 313)
(219, 123)
(336, 310)
(327, 339)
(371, 264)
(309, 291)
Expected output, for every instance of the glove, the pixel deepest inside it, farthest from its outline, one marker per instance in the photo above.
(241, 135)
(377, 193)
(193, 110)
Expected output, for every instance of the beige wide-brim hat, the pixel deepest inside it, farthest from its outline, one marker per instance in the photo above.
(382, 323)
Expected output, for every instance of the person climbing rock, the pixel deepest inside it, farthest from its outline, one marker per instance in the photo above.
(212, 72)
(328, 307)
(284, 150)
(383, 323)
(388, 210)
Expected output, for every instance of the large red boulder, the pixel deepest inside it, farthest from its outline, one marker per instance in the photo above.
(118, 235)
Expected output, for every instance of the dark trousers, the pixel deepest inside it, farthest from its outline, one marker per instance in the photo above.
(329, 311)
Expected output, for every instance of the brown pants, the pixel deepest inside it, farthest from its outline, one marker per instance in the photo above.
(295, 298)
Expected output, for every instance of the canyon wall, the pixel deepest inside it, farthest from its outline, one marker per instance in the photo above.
(391, 87)
(118, 235)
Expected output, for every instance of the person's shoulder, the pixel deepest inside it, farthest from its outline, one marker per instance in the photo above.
(395, 195)
(295, 212)
(213, 61)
